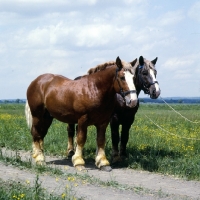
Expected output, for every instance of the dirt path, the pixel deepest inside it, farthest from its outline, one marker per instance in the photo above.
(131, 184)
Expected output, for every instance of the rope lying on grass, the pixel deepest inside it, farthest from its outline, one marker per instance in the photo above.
(170, 132)
(178, 112)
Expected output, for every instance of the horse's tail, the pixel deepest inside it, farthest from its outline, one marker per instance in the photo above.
(28, 115)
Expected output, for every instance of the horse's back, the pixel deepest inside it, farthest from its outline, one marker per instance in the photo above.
(45, 80)
(39, 88)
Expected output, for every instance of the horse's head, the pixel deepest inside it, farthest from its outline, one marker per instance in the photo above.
(146, 76)
(124, 82)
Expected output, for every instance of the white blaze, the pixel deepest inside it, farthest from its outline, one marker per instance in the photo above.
(154, 79)
(129, 80)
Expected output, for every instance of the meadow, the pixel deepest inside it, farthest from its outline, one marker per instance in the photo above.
(173, 148)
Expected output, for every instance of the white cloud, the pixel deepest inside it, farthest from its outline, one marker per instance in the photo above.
(38, 37)
(100, 35)
(175, 63)
(69, 37)
(171, 18)
(193, 12)
(182, 74)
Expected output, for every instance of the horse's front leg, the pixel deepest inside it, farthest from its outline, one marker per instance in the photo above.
(70, 146)
(77, 158)
(114, 126)
(101, 160)
(124, 139)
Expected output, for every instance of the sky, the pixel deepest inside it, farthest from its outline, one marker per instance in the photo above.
(69, 37)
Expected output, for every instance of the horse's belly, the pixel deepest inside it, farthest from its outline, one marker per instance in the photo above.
(67, 119)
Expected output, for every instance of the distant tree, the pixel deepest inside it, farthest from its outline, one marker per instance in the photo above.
(180, 101)
(142, 100)
(17, 100)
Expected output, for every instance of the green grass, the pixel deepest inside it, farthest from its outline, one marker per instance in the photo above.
(23, 191)
(149, 148)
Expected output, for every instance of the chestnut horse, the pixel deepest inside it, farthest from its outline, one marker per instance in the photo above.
(71, 127)
(145, 79)
(87, 101)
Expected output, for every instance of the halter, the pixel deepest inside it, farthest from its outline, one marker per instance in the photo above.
(145, 87)
(122, 93)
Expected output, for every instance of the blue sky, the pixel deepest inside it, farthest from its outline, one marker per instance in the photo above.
(69, 37)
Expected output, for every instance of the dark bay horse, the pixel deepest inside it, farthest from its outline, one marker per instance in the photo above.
(145, 79)
(87, 101)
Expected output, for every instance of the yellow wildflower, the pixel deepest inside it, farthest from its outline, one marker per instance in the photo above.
(63, 195)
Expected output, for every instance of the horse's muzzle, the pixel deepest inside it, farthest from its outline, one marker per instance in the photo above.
(154, 94)
(130, 102)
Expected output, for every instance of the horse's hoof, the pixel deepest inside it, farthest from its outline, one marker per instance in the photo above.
(80, 168)
(41, 163)
(70, 154)
(124, 157)
(116, 159)
(106, 168)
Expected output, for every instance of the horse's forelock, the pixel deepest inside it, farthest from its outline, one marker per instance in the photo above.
(126, 65)
(129, 67)
(149, 64)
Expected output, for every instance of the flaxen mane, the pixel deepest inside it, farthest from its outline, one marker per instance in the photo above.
(103, 66)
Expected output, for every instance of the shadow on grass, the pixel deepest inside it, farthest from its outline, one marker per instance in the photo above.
(146, 159)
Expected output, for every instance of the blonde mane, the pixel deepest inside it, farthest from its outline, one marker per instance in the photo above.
(126, 66)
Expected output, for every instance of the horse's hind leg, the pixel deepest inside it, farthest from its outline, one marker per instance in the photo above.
(39, 129)
(70, 146)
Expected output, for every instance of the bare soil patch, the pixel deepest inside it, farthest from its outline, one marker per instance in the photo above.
(131, 184)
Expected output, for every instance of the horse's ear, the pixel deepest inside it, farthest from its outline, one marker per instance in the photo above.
(133, 62)
(119, 63)
(141, 61)
(155, 60)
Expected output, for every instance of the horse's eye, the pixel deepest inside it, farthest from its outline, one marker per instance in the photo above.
(122, 78)
(145, 73)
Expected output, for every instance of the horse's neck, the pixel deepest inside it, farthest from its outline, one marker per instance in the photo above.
(104, 82)
(138, 85)
(104, 79)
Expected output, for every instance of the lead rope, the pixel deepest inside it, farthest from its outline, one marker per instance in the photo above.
(178, 112)
(168, 131)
